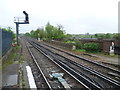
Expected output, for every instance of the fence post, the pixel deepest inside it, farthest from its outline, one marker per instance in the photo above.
(17, 25)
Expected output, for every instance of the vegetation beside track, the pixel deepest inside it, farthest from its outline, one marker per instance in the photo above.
(9, 29)
(10, 57)
(50, 32)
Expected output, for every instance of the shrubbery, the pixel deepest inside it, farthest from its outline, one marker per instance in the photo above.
(69, 41)
(88, 47)
(79, 45)
(91, 47)
(75, 42)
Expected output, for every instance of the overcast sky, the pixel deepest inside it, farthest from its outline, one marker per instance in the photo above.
(76, 16)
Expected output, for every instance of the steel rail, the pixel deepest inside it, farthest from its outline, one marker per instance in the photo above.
(95, 72)
(77, 56)
(88, 81)
(62, 68)
(70, 70)
(33, 57)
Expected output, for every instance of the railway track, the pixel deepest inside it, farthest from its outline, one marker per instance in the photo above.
(106, 70)
(38, 73)
(46, 82)
(79, 69)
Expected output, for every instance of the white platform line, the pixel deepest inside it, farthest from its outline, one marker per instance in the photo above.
(30, 78)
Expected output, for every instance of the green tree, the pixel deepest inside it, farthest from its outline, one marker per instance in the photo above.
(34, 34)
(116, 36)
(10, 30)
(61, 32)
(91, 47)
(55, 33)
(96, 35)
(100, 36)
(27, 34)
(68, 35)
(108, 36)
(41, 33)
(48, 30)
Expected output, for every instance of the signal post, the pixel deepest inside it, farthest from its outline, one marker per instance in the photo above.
(19, 20)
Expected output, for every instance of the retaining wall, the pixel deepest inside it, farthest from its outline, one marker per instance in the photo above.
(61, 44)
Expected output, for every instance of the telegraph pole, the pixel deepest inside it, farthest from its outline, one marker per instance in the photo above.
(17, 21)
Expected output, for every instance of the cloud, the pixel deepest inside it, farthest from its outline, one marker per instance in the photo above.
(77, 16)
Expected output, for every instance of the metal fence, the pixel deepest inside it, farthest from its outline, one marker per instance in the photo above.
(6, 38)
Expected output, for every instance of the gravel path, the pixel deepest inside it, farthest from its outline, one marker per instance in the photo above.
(25, 53)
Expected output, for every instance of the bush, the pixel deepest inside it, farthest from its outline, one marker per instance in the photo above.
(68, 41)
(78, 45)
(92, 47)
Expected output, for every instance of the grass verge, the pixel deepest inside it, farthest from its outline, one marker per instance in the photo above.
(12, 56)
